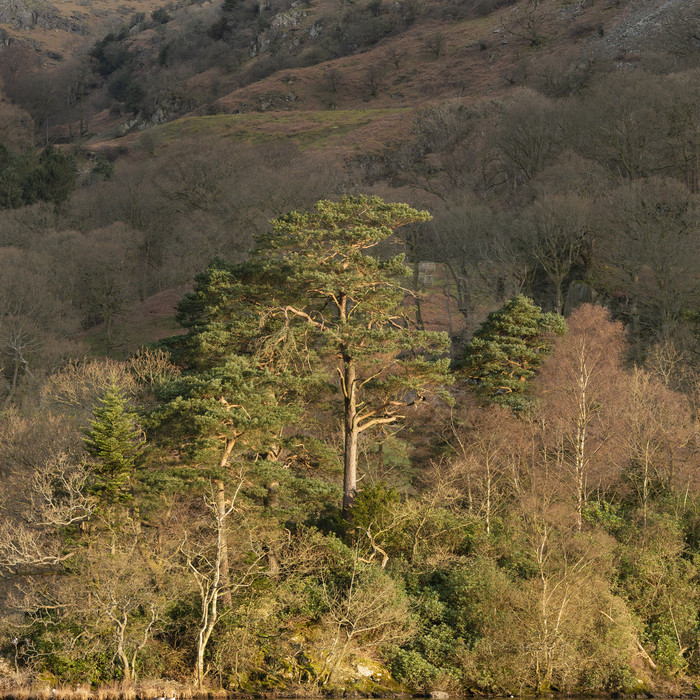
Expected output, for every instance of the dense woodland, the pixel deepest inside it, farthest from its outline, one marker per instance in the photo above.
(446, 445)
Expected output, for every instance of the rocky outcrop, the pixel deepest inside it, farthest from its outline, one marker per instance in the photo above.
(645, 21)
(276, 100)
(166, 108)
(282, 26)
(30, 14)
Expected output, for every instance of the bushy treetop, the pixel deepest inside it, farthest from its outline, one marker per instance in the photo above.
(507, 348)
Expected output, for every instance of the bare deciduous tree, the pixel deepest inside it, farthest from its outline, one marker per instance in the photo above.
(580, 390)
(208, 562)
(37, 505)
(364, 614)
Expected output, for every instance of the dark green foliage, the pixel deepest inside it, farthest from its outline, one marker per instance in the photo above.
(604, 514)
(291, 496)
(373, 503)
(219, 29)
(359, 27)
(114, 62)
(13, 173)
(110, 53)
(233, 394)
(54, 179)
(411, 667)
(119, 82)
(115, 440)
(241, 16)
(659, 582)
(103, 167)
(137, 18)
(233, 403)
(160, 16)
(507, 349)
(25, 178)
(435, 651)
(163, 55)
(362, 29)
(133, 96)
(89, 665)
(225, 313)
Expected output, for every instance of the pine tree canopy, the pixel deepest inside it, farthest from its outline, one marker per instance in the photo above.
(507, 348)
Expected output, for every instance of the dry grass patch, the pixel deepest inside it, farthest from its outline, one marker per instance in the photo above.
(310, 130)
(115, 691)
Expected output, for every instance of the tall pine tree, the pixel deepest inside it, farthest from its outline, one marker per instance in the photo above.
(351, 303)
(315, 300)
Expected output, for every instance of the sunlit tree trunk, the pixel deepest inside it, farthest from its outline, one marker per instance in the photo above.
(579, 442)
(226, 598)
(351, 435)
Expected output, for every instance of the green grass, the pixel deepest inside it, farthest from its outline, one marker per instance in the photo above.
(309, 129)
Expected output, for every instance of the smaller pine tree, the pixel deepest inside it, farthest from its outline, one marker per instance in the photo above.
(114, 439)
(507, 348)
(54, 178)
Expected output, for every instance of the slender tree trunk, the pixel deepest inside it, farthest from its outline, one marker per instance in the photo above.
(646, 481)
(15, 377)
(351, 435)
(203, 638)
(558, 296)
(489, 486)
(635, 329)
(271, 503)
(226, 598)
(121, 652)
(582, 421)
(448, 296)
(212, 588)
(416, 290)
(350, 428)
(211, 592)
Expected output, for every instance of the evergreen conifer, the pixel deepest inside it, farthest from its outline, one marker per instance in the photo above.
(115, 440)
(507, 348)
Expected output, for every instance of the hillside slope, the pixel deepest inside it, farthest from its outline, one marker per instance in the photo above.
(205, 58)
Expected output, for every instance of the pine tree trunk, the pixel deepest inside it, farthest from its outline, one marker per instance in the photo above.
(226, 598)
(351, 434)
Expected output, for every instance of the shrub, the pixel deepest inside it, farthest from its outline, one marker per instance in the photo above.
(160, 16)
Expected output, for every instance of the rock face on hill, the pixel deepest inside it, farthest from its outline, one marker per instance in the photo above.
(29, 14)
(646, 20)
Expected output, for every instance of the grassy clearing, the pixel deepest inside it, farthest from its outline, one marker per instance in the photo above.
(129, 335)
(144, 323)
(309, 129)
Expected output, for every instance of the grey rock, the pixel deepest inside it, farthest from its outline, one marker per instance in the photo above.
(286, 20)
(29, 14)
